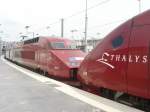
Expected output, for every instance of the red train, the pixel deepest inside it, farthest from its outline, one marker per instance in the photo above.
(119, 66)
(57, 56)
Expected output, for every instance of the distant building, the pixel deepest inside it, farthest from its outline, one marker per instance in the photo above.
(91, 43)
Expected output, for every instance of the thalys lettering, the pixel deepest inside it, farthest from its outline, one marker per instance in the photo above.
(106, 57)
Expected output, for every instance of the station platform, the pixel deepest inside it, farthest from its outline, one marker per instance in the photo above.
(22, 90)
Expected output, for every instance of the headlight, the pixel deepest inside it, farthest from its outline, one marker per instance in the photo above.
(75, 58)
(74, 64)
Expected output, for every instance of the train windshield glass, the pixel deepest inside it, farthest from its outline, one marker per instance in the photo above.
(62, 45)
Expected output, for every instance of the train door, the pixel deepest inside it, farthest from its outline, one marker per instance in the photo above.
(44, 56)
(139, 52)
(37, 57)
(50, 60)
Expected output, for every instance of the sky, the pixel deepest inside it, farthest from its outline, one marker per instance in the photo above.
(43, 17)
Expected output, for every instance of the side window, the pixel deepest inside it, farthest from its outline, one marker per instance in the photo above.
(118, 41)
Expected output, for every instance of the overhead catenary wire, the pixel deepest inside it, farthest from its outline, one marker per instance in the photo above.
(75, 14)
(56, 22)
(94, 6)
(107, 24)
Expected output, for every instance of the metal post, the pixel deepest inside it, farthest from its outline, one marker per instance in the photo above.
(33, 34)
(27, 27)
(62, 28)
(0, 46)
(48, 27)
(139, 6)
(1, 42)
(86, 22)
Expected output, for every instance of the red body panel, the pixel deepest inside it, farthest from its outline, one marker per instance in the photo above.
(121, 61)
(138, 73)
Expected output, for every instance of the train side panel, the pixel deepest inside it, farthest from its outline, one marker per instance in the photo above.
(28, 56)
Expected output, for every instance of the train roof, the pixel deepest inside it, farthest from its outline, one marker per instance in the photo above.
(36, 40)
(142, 19)
(55, 38)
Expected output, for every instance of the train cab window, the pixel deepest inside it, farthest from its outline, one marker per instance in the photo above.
(117, 42)
(58, 45)
(62, 45)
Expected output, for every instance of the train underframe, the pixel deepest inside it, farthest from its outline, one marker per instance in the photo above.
(121, 97)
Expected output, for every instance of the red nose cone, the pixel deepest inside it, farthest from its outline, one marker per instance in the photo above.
(72, 58)
(121, 61)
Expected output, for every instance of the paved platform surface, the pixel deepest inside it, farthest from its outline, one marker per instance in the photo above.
(20, 92)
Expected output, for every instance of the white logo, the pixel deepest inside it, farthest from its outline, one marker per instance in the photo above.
(104, 60)
(142, 59)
